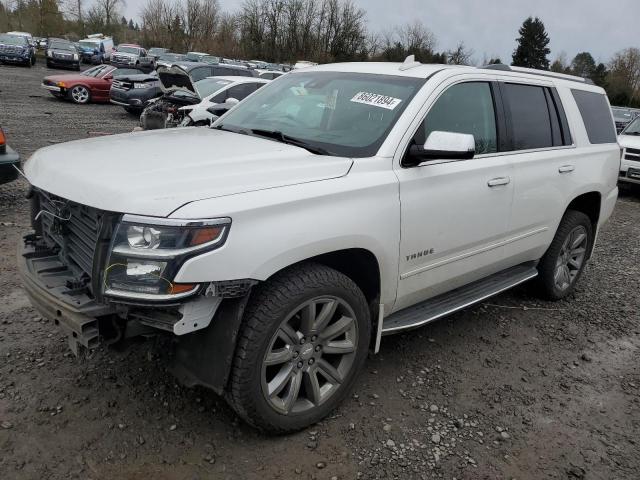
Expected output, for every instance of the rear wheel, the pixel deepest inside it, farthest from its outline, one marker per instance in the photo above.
(79, 94)
(303, 341)
(563, 263)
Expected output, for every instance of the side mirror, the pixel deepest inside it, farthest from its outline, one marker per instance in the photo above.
(220, 109)
(441, 146)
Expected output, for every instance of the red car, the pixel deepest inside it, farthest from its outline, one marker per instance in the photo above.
(92, 85)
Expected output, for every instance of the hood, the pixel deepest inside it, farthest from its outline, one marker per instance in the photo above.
(124, 54)
(155, 172)
(175, 78)
(629, 141)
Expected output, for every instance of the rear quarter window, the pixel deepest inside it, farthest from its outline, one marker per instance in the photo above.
(596, 116)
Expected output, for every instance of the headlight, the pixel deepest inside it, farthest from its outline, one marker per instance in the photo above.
(49, 53)
(75, 56)
(146, 254)
(142, 85)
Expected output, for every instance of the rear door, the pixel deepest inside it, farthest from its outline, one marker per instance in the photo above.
(544, 158)
(455, 214)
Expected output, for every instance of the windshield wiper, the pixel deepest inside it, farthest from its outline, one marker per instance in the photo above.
(241, 131)
(282, 138)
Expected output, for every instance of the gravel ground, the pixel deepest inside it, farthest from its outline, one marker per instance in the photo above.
(512, 388)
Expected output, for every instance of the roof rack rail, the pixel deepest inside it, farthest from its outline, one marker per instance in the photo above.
(542, 73)
(409, 62)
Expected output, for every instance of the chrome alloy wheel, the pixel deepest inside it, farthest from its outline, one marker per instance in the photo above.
(571, 258)
(80, 94)
(310, 355)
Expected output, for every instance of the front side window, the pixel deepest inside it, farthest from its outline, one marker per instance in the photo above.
(242, 91)
(464, 108)
(344, 113)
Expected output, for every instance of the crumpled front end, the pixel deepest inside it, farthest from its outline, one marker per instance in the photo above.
(66, 265)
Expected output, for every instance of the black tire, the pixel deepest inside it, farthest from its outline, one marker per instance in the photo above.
(270, 305)
(548, 266)
(133, 110)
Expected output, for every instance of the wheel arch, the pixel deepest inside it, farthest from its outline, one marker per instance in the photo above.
(590, 204)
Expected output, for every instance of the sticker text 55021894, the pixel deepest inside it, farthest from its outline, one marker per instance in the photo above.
(376, 100)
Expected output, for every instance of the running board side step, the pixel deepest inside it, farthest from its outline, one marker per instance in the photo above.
(450, 302)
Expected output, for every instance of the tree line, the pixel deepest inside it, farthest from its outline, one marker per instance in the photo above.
(284, 31)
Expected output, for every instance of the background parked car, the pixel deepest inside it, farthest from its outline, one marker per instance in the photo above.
(168, 59)
(623, 116)
(133, 92)
(16, 49)
(130, 55)
(156, 52)
(96, 49)
(61, 53)
(9, 160)
(179, 84)
(629, 140)
(227, 91)
(195, 56)
(92, 85)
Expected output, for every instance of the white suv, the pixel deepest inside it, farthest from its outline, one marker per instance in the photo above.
(334, 206)
(629, 140)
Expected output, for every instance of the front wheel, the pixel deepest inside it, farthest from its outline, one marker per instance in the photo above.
(562, 265)
(80, 94)
(304, 338)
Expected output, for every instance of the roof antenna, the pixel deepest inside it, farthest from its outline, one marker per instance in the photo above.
(409, 62)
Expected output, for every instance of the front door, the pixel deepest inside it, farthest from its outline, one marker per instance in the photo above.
(454, 214)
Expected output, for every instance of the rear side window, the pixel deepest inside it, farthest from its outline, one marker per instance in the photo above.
(530, 121)
(596, 115)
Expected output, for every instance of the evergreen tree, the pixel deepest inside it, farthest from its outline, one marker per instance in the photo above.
(533, 45)
(583, 65)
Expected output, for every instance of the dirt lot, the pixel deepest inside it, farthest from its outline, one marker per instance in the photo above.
(513, 388)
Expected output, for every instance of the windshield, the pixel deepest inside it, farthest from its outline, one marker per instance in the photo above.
(207, 86)
(96, 71)
(157, 51)
(131, 50)
(87, 44)
(62, 46)
(210, 59)
(346, 114)
(633, 128)
(13, 40)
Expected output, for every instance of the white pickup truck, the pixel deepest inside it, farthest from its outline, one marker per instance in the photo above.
(336, 205)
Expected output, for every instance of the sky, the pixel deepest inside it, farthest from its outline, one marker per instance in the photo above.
(490, 27)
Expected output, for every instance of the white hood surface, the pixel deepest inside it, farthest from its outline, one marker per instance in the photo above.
(153, 173)
(629, 141)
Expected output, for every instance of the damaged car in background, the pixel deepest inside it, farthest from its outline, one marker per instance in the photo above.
(184, 85)
(134, 92)
(229, 91)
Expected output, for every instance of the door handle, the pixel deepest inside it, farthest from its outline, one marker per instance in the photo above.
(496, 182)
(566, 169)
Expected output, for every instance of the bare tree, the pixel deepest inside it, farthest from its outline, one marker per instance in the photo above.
(460, 55)
(624, 73)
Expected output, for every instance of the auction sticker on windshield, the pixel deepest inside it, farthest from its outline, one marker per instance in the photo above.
(376, 100)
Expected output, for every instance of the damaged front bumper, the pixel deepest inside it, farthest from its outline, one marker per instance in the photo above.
(52, 289)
